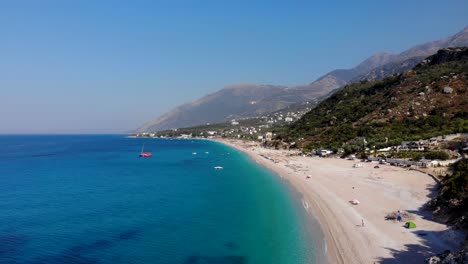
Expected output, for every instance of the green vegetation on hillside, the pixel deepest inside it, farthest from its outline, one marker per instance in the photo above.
(450, 205)
(418, 155)
(409, 106)
(455, 186)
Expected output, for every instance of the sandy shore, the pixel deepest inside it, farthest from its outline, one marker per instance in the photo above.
(327, 186)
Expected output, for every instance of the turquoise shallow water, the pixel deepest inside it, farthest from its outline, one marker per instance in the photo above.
(90, 199)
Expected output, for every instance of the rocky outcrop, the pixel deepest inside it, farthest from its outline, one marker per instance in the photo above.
(448, 90)
(460, 257)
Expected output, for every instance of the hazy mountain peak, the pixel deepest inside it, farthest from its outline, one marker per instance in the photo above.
(241, 86)
(248, 86)
(411, 57)
(374, 61)
(381, 55)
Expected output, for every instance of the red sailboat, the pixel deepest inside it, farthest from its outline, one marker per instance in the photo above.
(145, 154)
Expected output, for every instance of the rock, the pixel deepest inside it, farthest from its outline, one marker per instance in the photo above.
(448, 257)
(448, 90)
(433, 260)
(421, 94)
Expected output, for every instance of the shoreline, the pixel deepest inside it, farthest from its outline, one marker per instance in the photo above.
(326, 186)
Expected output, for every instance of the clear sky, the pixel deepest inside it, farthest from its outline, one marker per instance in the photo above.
(109, 66)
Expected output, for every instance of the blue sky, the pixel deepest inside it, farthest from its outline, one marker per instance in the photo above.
(110, 66)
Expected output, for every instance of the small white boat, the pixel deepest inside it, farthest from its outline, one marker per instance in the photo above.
(194, 153)
(218, 168)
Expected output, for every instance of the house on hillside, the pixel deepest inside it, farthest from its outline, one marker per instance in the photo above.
(420, 145)
(464, 146)
(266, 137)
(434, 141)
(416, 145)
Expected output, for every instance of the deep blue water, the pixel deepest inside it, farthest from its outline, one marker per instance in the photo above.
(90, 199)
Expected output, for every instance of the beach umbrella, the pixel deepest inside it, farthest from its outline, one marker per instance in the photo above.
(355, 201)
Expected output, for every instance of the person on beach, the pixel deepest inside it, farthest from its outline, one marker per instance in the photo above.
(362, 222)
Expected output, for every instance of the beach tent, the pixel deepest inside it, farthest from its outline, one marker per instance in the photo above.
(410, 225)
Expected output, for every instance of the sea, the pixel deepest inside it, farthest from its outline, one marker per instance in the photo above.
(89, 199)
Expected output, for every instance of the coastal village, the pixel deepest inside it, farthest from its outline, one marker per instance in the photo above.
(258, 128)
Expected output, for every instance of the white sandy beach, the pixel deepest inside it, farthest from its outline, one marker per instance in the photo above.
(334, 182)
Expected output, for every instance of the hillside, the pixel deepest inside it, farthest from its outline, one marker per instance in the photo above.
(430, 100)
(450, 205)
(252, 100)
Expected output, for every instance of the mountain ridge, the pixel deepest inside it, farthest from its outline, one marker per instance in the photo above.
(254, 99)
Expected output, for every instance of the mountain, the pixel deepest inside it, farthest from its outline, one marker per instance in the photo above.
(458, 40)
(232, 102)
(429, 100)
(326, 83)
(389, 69)
(252, 100)
(398, 63)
